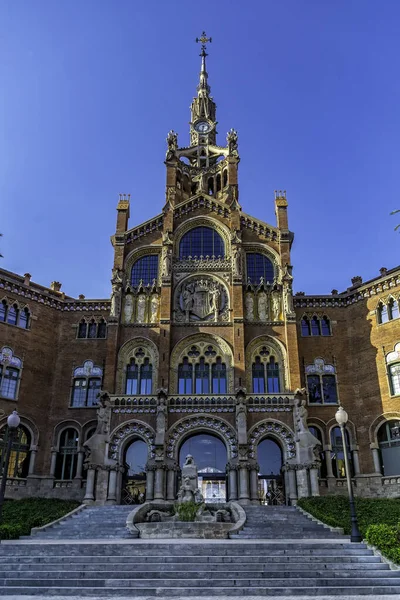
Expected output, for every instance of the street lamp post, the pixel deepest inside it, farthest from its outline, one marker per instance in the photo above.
(341, 417)
(13, 422)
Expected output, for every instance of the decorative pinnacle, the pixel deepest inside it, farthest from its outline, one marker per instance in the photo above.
(203, 40)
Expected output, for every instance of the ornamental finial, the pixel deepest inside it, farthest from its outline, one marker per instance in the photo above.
(203, 40)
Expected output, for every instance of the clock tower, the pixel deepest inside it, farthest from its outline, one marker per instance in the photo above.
(202, 168)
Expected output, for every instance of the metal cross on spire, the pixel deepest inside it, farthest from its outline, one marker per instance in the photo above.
(203, 40)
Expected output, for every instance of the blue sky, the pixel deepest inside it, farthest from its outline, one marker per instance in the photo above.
(90, 90)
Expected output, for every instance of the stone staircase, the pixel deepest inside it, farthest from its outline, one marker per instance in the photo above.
(54, 563)
(92, 523)
(281, 522)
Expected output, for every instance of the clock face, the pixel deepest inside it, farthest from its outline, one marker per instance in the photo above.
(202, 127)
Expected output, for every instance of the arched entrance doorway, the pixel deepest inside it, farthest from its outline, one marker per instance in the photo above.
(210, 456)
(270, 478)
(134, 478)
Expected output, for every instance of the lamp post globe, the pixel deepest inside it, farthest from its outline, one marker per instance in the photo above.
(342, 417)
(13, 420)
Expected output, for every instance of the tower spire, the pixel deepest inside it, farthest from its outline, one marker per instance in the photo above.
(203, 86)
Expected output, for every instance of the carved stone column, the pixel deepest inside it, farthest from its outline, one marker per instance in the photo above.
(79, 465)
(244, 496)
(171, 482)
(314, 483)
(356, 462)
(292, 492)
(254, 484)
(149, 484)
(53, 463)
(159, 483)
(32, 459)
(233, 491)
(112, 487)
(328, 460)
(302, 481)
(89, 495)
(377, 462)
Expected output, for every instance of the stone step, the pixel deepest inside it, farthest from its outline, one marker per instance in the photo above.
(206, 592)
(269, 567)
(211, 574)
(276, 582)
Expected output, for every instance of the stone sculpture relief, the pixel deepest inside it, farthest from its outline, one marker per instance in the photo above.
(154, 304)
(166, 261)
(96, 446)
(116, 293)
(276, 306)
(249, 306)
(237, 261)
(141, 308)
(202, 299)
(128, 308)
(262, 306)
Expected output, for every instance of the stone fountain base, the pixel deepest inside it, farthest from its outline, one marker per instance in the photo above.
(155, 520)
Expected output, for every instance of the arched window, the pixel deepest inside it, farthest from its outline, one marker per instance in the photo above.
(145, 270)
(338, 465)
(24, 318)
(315, 326)
(383, 316)
(210, 185)
(389, 446)
(139, 377)
(259, 266)
(185, 371)
(67, 456)
(325, 326)
(82, 329)
(201, 241)
(202, 377)
(92, 329)
(225, 177)
(394, 378)
(218, 182)
(12, 316)
(219, 377)
(10, 369)
(322, 471)
(3, 311)
(265, 375)
(321, 383)
(393, 309)
(305, 327)
(20, 451)
(86, 385)
(102, 329)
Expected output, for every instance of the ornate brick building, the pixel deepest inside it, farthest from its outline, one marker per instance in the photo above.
(201, 349)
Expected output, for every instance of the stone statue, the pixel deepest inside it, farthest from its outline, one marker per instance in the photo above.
(288, 299)
(249, 305)
(128, 308)
(161, 420)
(237, 261)
(241, 421)
(167, 238)
(189, 491)
(172, 142)
(166, 261)
(154, 304)
(115, 300)
(141, 308)
(262, 306)
(275, 307)
(96, 447)
(187, 298)
(215, 301)
(305, 440)
(232, 141)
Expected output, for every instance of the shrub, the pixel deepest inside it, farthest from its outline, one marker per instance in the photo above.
(386, 538)
(187, 511)
(19, 516)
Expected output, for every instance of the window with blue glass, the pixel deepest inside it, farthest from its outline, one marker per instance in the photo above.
(201, 241)
(139, 377)
(259, 266)
(265, 376)
(322, 389)
(185, 371)
(219, 377)
(145, 270)
(388, 312)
